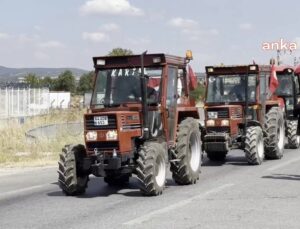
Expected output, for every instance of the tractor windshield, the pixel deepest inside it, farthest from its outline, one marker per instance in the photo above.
(114, 87)
(285, 87)
(230, 88)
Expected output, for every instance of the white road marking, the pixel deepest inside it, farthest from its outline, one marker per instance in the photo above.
(152, 214)
(6, 195)
(283, 164)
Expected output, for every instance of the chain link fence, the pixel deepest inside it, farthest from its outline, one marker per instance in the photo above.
(22, 102)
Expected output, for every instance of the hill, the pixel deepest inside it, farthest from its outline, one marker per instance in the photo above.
(12, 74)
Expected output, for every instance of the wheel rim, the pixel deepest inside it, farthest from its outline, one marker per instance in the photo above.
(195, 152)
(260, 148)
(160, 171)
(280, 134)
(298, 140)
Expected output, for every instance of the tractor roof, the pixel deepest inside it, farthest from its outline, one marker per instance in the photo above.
(283, 68)
(131, 61)
(236, 69)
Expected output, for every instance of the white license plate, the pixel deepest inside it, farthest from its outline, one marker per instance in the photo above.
(212, 115)
(100, 120)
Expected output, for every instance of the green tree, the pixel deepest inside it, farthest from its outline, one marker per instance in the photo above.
(120, 52)
(85, 83)
(48, 82)
(32, 80)
(199, 93)
(65, 82)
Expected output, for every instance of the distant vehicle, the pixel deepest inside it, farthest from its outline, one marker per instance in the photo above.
(242, 113)
(289, 91)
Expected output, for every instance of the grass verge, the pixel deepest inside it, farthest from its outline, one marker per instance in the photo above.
(17, 150)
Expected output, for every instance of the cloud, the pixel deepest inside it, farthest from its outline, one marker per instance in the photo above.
(4, 36)
(246, 26)
(110, 27)
(51, 44)
(25, 38)
(182, 23)
(110, 7)
(95, 36)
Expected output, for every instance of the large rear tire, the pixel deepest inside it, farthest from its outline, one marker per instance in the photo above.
(254, 145)
(274, 126)
(151, 168)
(187, 157)
(293, 138)
(71, 178)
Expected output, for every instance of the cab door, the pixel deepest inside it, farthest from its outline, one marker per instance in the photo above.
(171, 102)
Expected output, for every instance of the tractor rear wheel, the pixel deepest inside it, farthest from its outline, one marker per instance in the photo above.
(254, 145)
(274, 126)
(151, 168)
(293, 138)
(187, 156)
(71, 178)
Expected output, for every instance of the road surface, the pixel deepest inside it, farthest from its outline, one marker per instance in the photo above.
(230, 195)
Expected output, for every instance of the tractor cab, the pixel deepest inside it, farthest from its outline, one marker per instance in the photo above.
(288, 88)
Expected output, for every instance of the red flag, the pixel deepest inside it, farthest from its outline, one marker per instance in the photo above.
(273, 80)
(192, 78)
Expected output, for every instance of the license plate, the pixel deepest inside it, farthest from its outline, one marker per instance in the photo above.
(100, 120)
(212, 115)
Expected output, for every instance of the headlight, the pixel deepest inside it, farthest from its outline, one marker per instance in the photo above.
(212, 115)
(225, 122)
(112, 135)
(210, 123)
(91, 136)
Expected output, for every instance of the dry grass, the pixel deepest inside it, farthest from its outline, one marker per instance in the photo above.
(17, 150)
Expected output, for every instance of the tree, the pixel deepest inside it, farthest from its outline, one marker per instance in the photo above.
(199, 93)
(32, 80)
(65, 82)
(48, 82)
(120, 52)
(85, 83)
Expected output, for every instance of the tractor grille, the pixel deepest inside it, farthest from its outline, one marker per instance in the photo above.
(102, 146)
(90, 125)
(218, 129)
(222, 113)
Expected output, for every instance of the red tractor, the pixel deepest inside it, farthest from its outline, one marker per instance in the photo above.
(289, 91)
(241, 113)
(141, 118)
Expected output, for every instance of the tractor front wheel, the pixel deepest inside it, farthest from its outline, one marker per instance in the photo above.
(71, 178)
(151, 168)
(254, 145)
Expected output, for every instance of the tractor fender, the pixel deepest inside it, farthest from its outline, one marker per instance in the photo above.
(256, 123)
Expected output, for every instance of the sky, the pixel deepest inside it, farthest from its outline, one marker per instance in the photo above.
(68, 33)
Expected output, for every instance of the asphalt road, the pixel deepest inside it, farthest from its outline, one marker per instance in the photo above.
(230, 195)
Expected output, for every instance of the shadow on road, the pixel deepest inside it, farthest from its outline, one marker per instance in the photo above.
(283, 177)
(98, 188)
(237, 160)
(229, 160)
